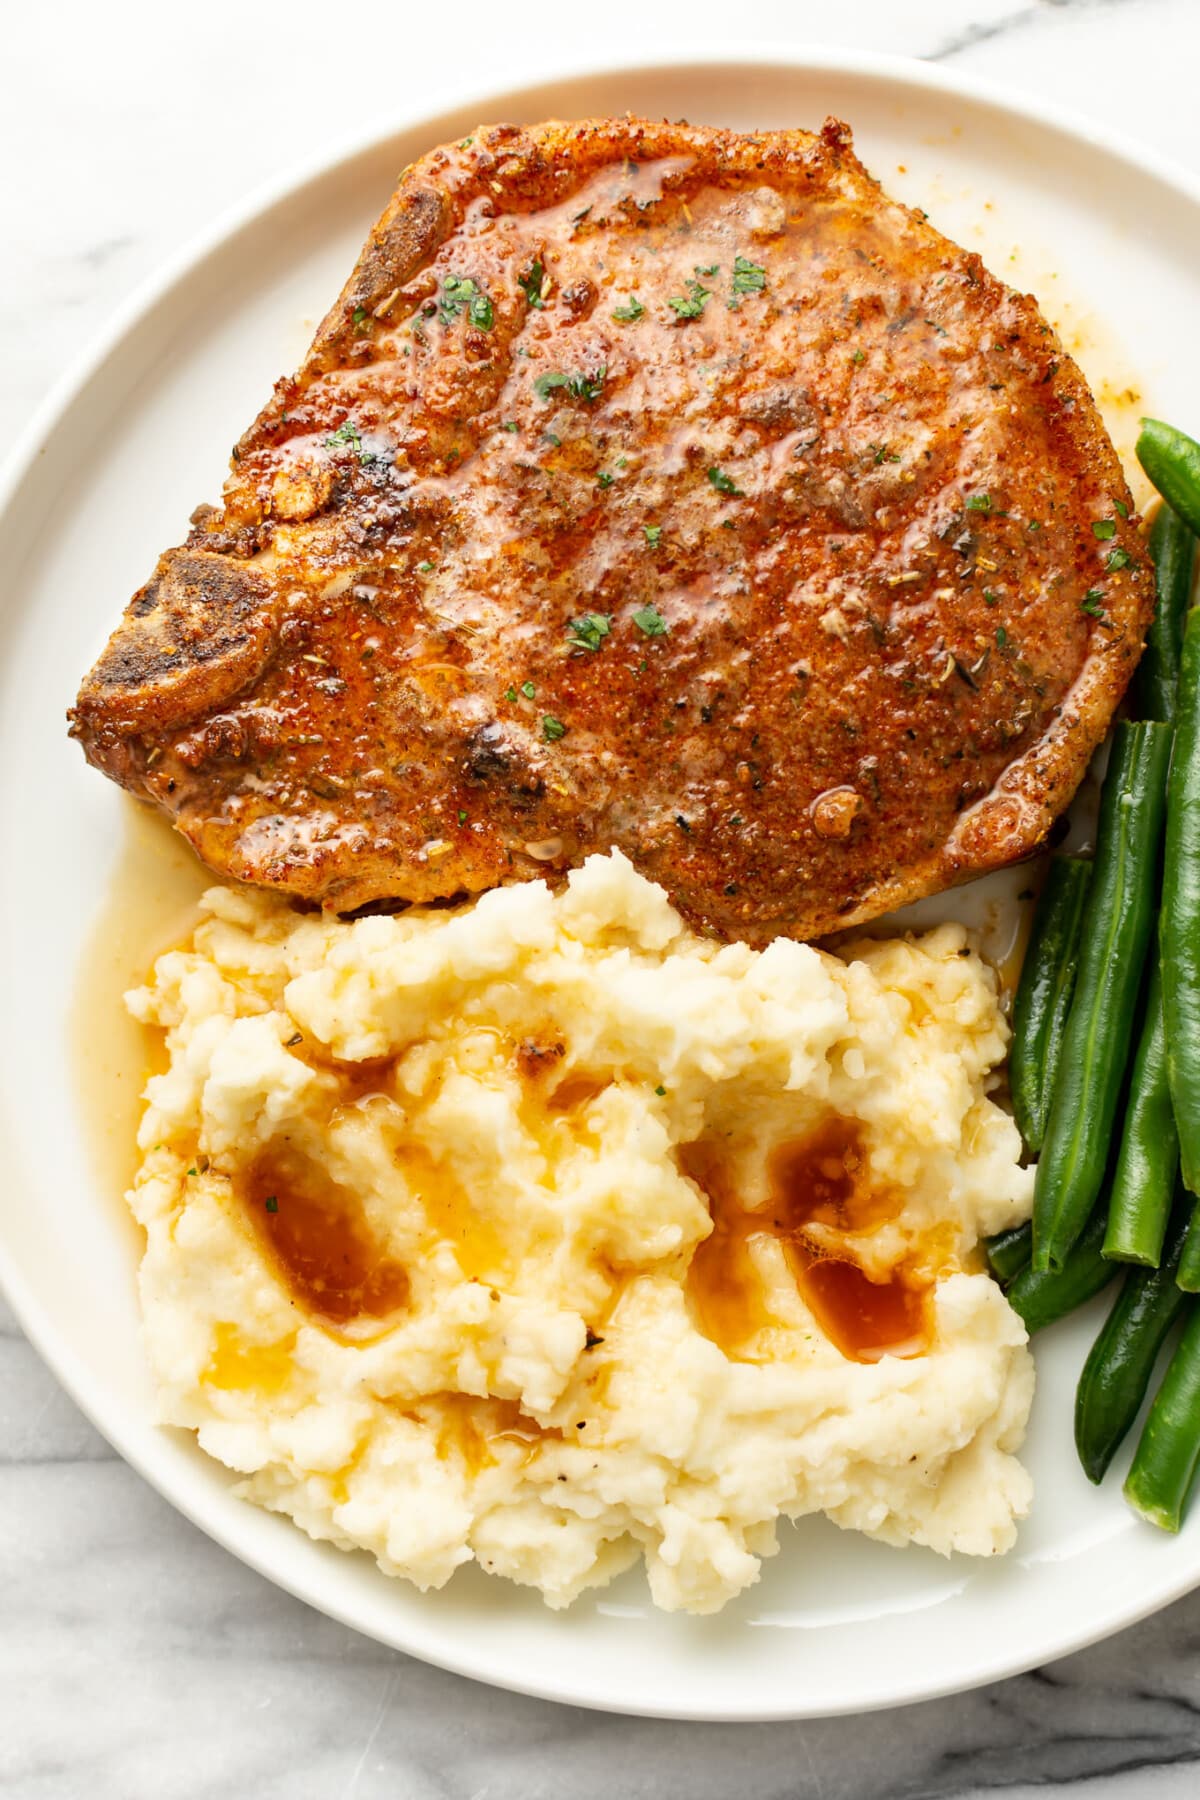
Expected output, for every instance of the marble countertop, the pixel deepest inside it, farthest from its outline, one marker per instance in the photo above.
(135, 1656)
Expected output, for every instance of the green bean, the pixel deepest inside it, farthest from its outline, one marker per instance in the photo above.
(1148, 1162)
(1041, 1296)
(1118, 1369)
(1172, 461)
(1117, 923)
(1179, 925)
(1164, 1463)
(1172, 547)
(1189, 1263)
(1008, 1252)
(1044, 994)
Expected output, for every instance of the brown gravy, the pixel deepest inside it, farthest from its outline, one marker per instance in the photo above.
(822, 1179)
(315, 1235)
(151, 904)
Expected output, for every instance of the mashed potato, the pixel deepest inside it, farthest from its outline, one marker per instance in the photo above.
(544, 1233)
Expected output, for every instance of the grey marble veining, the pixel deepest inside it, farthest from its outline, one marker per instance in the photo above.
(137, 1658)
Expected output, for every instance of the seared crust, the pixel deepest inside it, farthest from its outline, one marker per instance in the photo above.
(867, 574)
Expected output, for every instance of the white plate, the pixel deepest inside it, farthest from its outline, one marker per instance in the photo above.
(1110, 240)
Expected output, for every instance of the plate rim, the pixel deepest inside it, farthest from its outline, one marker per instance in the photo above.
(768, 56)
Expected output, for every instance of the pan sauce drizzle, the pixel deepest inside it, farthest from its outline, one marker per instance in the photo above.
(316, 1238)
(820, 1180)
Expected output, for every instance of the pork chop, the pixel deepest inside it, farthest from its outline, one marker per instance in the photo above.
(647, 486)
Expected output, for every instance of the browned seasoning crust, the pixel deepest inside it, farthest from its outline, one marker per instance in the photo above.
(853, 565)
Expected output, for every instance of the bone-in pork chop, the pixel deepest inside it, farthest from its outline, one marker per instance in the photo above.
(647, 486)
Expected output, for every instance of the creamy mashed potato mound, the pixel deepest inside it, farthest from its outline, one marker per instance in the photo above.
(546, 1234)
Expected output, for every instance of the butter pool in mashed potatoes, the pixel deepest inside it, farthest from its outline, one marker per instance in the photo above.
(544, 1233)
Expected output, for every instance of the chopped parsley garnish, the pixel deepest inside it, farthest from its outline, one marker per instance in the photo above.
(650, 621)
(631, 312)
(528, 689)
(349, 434)
(462, 817)
(1119, 558)
(511, 695)
(579, 386)
(691, 305)
(589, 631)
(552, 729)
(531, 282)
(424, 568)
(1034, 525)
(748, 277)
(604, 479)
(979, 503)
(1104, 529)
(660, 1091)
(883, 454)
(723, 483)
(361, 319)
(1001, 637)
(860, 356)
(990, 599)
(653, 534)
(271, 1203)
(465, 143)
(1092, 603)
(1121, 508)
(711, 269)
(460, 294)
(510, 425)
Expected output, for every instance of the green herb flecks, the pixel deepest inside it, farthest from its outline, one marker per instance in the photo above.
(579, 385)
(1104, 529)
(748, 277)
(979, 503)
(589, 631)
(1118, 558)
(531, 284)
(361, 320)
(723, 483)
(650, 621)
(528, 689)
(461, 294)
(1093, 603)
(691, 304)
(631, 312)
(271, 1203)
(349, 434)
(552, 728)
(653, 535)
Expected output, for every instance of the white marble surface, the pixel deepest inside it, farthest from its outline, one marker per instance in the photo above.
(136, 1658)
